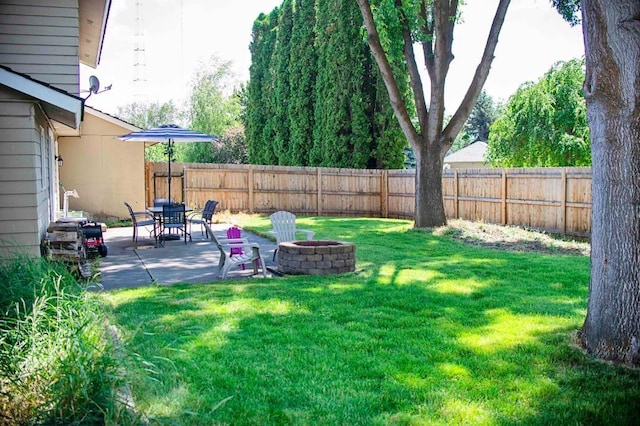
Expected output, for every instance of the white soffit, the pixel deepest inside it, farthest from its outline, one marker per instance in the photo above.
(93, 16)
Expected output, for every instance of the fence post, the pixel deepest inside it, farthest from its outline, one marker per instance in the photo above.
(147, 184)
(384, 194)
(504, 196)
(456, 211)
(185, 193)
(563, 201)
(250, 188)
(319, 185)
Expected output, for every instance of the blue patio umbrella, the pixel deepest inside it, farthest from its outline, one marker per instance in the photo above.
(169, 133)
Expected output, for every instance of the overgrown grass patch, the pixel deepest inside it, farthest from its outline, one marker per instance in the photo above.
(57, 363)
(428, 330)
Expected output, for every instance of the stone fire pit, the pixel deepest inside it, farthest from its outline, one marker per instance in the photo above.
(316, 257)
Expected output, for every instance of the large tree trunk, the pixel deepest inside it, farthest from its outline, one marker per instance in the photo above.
(429, 203)
(612, 88)
(429, 139)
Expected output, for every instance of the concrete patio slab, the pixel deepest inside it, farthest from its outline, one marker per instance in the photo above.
(129, 265)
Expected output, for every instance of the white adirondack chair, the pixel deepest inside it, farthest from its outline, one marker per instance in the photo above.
(251, 253)
(284, 229)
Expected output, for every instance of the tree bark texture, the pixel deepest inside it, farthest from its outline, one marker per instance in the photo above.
(428, 201)
(611, 29)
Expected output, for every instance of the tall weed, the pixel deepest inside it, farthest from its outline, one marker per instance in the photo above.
(57, 363)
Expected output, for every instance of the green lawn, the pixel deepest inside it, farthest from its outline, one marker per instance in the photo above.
(428, 330)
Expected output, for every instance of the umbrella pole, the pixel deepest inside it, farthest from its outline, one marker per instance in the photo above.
(169, 152)
(171, 236)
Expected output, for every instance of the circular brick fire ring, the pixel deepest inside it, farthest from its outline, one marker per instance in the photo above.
(316, 257)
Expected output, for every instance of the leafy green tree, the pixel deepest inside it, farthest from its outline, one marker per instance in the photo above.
(231, 147)
(242, 96)
(430, 24)
(462, 140)
(149, 115)
(611, 329)
(544, 124)
(212, 108)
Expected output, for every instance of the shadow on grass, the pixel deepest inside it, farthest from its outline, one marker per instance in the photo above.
(427, 331)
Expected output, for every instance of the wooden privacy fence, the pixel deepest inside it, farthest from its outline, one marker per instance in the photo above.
(557, 200)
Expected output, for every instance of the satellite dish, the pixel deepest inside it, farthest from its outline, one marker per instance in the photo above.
(94, 84)
(94, 87)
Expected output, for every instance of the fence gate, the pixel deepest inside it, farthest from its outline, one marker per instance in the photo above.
(159, 188)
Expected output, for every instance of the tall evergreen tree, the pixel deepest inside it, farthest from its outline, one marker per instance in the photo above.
(268, 94)
(342, 133)
(281, 60)
(260, 90)
(315, 95)
(388, 143)
(482, 116)
(302, 80)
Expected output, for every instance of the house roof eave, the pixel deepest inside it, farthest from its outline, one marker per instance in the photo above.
(111, 119)
(94, 15)
(57, 104)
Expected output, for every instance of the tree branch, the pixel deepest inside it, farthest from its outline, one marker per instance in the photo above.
(414, 74)
(443, 29)
(427, 46)
(480, 77)
(397, 103)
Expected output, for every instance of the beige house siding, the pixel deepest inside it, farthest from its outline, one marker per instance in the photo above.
(25, 174)
(104, 170)
(40, 38)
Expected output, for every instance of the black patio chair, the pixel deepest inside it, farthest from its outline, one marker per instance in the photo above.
(140, 219)
(174, 217)
(205, 216)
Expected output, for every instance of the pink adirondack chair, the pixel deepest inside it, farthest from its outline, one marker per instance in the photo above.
(235, 233)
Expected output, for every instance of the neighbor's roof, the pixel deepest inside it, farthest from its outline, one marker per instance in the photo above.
(474, 153)
(111, 118)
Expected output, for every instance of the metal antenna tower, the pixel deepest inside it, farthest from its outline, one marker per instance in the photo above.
(139, 60)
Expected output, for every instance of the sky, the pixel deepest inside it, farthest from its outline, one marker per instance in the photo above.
(179, 35)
